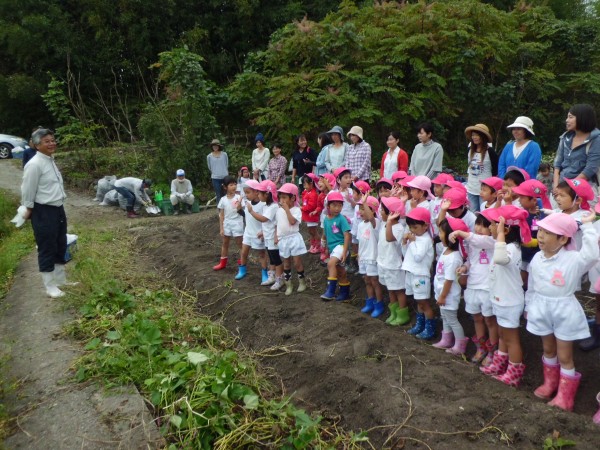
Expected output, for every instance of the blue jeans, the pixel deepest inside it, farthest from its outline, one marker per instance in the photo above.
(475, 201)
(218, 188)
(129, 196)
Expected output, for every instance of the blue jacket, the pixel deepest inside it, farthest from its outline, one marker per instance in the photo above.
(320, 164)
(573, 162)
(529, 159)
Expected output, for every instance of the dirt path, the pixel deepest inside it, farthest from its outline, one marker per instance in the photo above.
(53, 412)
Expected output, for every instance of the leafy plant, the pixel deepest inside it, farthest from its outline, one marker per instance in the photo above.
(556, 442)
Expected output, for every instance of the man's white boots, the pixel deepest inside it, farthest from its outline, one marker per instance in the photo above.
(51, 287)
(60, 276)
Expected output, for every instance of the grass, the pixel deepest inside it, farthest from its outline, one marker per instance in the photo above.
(206, 391)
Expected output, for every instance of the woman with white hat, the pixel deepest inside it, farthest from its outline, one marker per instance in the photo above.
(483, 161)
(523, 152)
(358, 155)
(336, 153)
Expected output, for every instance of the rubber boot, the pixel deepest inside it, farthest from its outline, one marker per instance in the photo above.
(491, 348)
(419, 325)
(513, 375)
(481, 349)
(352, 265)
(188, 209)
(498, 365)
(402, 317)
(176, 210)
(593, 342)
(368, 308)
(279, 283)
(447, 340)
(378, 309)
(429, 330)
(264, 276)
(60, 276)
(270, 278)
(567, 389)
(313, 247)
(222, 264)
(329, 293)
(301, 285)
(289, 287)
(460, 345)
(551, 377)
(318, 246)
(596, 417)
(50, 284)
(344, 292)
(242, 271)
(393, 313)
(132, 214)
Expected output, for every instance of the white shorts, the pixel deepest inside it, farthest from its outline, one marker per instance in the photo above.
(233, 229)
(254, 243)
(563, 317)
(477, 301)
(368, 268)
(419, 286)
(337, 252)
(393, 279)
(593, 276)
(311, 224)
(508, 316)
(292, 245)
(270, 244)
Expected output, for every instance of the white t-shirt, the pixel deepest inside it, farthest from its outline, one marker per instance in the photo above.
(268, 227)
(518, 150)
(479, 259)
(356, 219)
(389, 254)
(390, 163)
(367, 240)
(478, 170)
(423, 204)
(418, 255)
(506, 286)
(445, 269)
(253, 226)
(284, 228)
(347, 208)
(260, 160)
(229, 207)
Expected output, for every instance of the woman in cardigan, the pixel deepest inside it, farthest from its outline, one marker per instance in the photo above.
(395, 158)
(523, 152)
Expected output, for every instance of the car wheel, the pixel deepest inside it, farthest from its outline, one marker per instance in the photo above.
(5, 151)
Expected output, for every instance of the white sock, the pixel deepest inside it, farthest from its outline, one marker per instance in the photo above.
(550, 361)
(570, 372)
(502, 353)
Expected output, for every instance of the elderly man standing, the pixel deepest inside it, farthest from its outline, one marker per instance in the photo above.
(43, 194)
(181, 192)
(358, 156)
(133, 189)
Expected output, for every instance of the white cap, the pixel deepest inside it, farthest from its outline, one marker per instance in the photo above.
(180, 173)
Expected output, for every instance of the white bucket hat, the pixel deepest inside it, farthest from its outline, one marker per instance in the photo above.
(523, 122)
(356, 130)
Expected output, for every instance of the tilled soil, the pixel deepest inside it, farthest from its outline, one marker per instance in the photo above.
(356, 370)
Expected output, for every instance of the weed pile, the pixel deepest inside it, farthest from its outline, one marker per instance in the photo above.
(205, 392)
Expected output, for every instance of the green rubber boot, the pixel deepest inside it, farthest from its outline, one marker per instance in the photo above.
(402, 316)
(393, 313)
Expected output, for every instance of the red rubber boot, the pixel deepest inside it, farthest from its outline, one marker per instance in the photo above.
(222, 264)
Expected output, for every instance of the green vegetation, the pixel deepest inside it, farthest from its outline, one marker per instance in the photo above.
(206, 392)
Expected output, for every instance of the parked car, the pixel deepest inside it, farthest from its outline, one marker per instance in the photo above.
(11, 144)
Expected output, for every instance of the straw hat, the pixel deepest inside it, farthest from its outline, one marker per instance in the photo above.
(216, 142)
(480, 128)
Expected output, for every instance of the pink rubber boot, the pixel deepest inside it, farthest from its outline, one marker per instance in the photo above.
(596, 417)
(491, 349)
(567, 388)
(551, 376)
(447, 340)
(459, 347)
(513, 375)
(480, 345)
(498, 365)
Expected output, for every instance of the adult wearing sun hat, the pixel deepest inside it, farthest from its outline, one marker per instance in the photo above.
(358, 155)
(336, 152)
(522, 152)
(482, 159)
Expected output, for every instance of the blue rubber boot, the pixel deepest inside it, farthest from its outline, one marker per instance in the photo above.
(419, 324)
(264, 275)
(378, 308)
(429, 330)
(368, 308)
(241, 272)
(329, 294)
(344, 293)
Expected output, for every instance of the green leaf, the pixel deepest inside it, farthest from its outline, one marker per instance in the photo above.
(113, 335)
(251, 401)
(93, 344)
(176, 420)
(197, 358)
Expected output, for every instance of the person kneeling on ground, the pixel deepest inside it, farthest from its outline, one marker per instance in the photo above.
(181, 193)
(133, 189)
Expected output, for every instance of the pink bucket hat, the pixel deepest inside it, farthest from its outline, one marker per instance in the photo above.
(384, 180)
(421, 182)
(456, 196)
(442, 179)
(457, 185)
(459, 225)
(561, 224)
(253, 184)
(515, 216)
(362, 186)
(583, 190)
(491, 214)
(404, 182)
(335, 196)
(313, 177)
(340, 170)
(394, 204)
(421, 214)
(268, 186)
(518, 169)
(534, 188)
(494, 182)
(371, 202)
(330, 179)
(290, 189)
(399, 175)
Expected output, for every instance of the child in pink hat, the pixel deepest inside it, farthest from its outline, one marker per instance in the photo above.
(573, 197)
(512, 178)
(367, 235)
(553, 311)
(325, 184)
(384, 187)
(455, 204)
(440, 186)
(311, 211)
(509, 227)
(420, 193)
(389, 260)
(490, 187)
(417, 247)
(359, 189)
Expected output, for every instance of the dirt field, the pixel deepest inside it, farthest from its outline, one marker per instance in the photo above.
(355, 369)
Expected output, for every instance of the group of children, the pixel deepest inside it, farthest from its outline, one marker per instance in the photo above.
(516, 257)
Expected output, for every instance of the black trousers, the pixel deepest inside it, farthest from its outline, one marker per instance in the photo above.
(50, 231)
